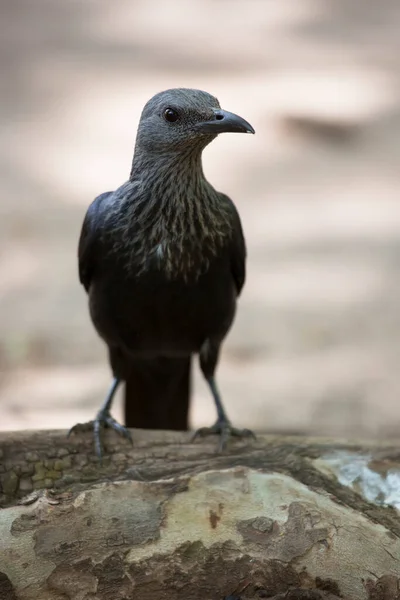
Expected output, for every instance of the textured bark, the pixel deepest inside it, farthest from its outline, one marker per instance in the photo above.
(172, 519)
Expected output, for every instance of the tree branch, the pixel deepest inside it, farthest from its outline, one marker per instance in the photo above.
(167, 518)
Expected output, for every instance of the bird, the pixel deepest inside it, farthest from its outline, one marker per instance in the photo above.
(163, 261)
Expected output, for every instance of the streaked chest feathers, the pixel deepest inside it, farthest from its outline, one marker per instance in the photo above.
(172, 228)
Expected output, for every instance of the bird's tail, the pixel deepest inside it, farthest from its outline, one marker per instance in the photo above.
(157, 394)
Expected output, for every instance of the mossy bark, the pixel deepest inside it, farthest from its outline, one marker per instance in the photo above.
(167, 518)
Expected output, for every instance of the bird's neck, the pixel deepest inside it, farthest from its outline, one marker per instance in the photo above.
(175, 215)
(171, 171)
(173, 194)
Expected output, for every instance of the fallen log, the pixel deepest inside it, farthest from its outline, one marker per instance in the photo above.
(282, 518)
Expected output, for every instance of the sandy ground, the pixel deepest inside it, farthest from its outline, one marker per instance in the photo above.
(315, 346)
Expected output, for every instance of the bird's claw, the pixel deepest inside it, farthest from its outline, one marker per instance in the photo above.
(103, 419)
(225, 430)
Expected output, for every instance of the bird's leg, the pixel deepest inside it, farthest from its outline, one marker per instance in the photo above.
(222, 426)
(103, 419)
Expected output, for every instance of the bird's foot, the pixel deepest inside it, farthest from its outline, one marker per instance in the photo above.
(102, 420)
(225, 431)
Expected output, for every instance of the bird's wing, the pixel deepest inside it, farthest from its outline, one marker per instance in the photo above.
(89, 239)
(237, 246)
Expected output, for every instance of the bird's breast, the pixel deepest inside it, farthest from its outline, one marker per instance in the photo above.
(155, 314)
(177, 234)
(184, 259)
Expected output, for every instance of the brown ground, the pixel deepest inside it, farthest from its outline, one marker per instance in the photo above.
(316, 341)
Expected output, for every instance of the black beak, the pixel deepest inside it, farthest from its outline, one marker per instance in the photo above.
(224, 122)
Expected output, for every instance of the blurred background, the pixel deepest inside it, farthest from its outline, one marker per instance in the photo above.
(315, 346)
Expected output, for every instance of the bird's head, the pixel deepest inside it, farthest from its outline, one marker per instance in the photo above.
(178, 120)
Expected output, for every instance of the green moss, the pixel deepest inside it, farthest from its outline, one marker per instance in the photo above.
(39, 485)
(31, 456)
(53, 475)
(40, 472)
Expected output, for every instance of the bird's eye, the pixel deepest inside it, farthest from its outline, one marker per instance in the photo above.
(171, 115)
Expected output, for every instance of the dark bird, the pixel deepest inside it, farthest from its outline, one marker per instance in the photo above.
(163, 262)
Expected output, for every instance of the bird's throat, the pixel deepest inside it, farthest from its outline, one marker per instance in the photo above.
(177, 221)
